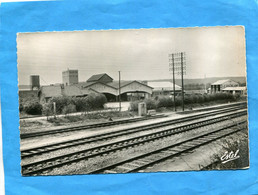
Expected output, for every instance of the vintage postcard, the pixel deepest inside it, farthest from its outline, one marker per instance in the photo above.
(137, 100)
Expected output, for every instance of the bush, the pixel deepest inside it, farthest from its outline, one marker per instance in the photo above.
(33, 108)
(61, 102)
(165, 102)
(134, 105)
(81, 104)
(66, 104)
(69, 109)
(150, 103)
(47, 109)
(96, 101)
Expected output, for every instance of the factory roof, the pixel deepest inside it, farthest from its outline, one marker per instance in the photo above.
(163, 85)
(115, 84)
(72, 90)
(234, 89)
(97, 77)
(220, 82)
(51, 91)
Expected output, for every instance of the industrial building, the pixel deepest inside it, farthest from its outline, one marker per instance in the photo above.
(70, 77)
(29, 93)
(236, 90)
(129, 90)
(219, 85)
(163, 88)
(99, 83)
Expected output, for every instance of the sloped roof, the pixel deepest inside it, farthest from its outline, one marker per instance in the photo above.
(87, 91)
(234, 89)
(163, 85)
(51, 91)
(24, 87)
(220, 82)
(72, 90)
(97, 77)
(115, 84)
(81, 85)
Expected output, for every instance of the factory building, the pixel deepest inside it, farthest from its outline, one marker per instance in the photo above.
(70, 77)
(163, 88)
(129, 90)
(236, 90)
(219, 85)
(29, 93)
(100, 83)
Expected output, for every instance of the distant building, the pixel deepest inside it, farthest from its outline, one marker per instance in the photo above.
(104, 78)
(70, 77)
(163, 88)
(129, 90)
(219, 85)
(236, 90)
(100, 83)
(34, 82)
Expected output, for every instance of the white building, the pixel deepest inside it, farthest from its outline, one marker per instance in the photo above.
(219, 85)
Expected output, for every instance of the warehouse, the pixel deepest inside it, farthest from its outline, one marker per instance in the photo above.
(236, 90)
(163, 88)
(100, 83)
(219, 85)
(104, 84)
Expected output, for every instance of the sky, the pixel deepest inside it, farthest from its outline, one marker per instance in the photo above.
(140, 54)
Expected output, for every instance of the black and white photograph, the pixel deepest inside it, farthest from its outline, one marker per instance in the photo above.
(132, 100)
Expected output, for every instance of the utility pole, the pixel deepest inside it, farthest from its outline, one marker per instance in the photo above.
(177, 65)
(174, 90)
(119, 91)
(182, 73)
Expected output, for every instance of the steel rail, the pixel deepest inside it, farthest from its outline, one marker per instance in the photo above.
(106, 136)
(91, 126)
(143, 161)
(39, 166)
(106, 124)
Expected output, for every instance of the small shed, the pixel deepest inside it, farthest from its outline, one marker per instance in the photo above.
(236, 90)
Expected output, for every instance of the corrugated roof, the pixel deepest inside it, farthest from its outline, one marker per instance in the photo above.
(163, 85)
(83, 84)
(234, 89)
(72, 90)
(51, 91)
(115, 84)
(220, 82)
(97, 77)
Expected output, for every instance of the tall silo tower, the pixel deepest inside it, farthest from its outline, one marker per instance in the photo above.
(34, 82)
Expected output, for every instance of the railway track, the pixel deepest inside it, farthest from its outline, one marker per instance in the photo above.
(106, 124)
(112, 135)
(146, 160)
(44, 165)
(83, 127)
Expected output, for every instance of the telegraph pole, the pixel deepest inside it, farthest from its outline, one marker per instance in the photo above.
(177, 65)
(174, 90)
(119, 97)
(182, 73)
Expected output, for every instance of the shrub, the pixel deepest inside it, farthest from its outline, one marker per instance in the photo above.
(150, 103)
(33, 108)
(165, 102)
(96, 101)
(134, 105)
(69, 109)
(47, 109)
(81, 104)
(61, 102)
